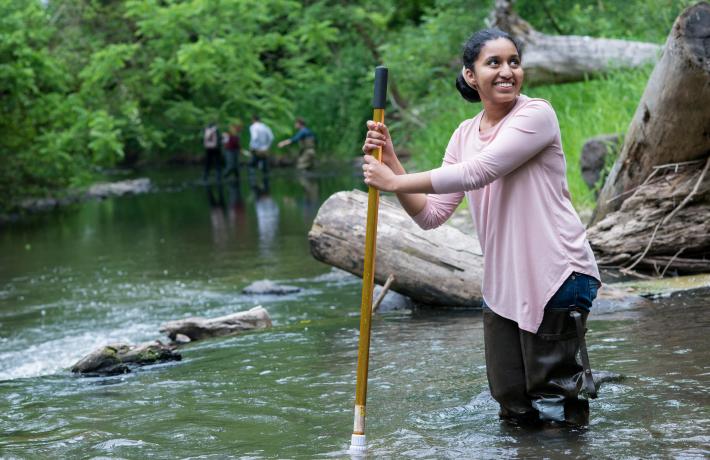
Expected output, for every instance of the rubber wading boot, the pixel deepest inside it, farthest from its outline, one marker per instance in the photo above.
(553, 375)
(506, 370)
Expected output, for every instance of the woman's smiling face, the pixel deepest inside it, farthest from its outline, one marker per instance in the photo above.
(498, 74)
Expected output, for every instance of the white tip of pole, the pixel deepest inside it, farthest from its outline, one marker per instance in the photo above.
(358, 444)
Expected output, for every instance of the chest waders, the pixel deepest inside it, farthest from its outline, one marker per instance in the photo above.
(307, 153)
(358, 444)
(536, 377)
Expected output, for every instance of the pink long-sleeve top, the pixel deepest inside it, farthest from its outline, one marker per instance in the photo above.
(513, 175)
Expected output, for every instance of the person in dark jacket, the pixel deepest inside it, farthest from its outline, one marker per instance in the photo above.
(307, 143)
(232, 147)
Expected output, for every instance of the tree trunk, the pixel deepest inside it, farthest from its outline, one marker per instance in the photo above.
(565, 58)
(672, 121)
(438, 267)
(196, 328)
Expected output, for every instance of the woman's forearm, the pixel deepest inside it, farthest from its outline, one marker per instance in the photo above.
(413, 183)
(413, 203)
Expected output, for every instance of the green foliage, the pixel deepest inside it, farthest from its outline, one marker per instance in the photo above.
(88, 84)
(428, 51)
(32, 84)
(642, 20)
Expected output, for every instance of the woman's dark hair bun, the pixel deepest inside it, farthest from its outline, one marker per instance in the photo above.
(468, 93)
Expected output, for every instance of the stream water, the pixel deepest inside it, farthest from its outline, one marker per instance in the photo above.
(114, 270)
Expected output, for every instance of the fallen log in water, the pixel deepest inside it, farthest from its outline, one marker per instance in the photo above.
(438, 267)
(441, 267)
(197, 328)
(121, 358)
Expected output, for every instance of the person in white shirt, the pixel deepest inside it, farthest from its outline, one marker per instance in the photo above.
(260, 141)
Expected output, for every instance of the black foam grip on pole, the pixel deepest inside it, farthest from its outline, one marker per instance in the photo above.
(380, 98)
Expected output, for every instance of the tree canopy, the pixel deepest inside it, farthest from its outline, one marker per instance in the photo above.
(88, 84)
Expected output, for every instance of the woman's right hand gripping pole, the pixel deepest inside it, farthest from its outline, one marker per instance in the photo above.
(379, 136)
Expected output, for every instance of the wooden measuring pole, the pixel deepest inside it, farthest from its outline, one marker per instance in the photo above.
(358, 443)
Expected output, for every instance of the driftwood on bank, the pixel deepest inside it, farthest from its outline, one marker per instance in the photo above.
(196, 328)
(565, 58)
(438, 267)
(672, 121)
(121, 358)
(664, 224)
(98, 191)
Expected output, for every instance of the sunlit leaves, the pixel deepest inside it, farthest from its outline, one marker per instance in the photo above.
(105, 64)
(104, 138)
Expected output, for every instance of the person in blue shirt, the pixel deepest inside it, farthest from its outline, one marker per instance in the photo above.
(307, 143)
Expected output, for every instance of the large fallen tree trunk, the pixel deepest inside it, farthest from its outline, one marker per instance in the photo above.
(672, 121)
(565, 58)
(442, 266)
(438, 267)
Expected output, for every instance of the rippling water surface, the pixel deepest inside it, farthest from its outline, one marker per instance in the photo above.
(109, 271)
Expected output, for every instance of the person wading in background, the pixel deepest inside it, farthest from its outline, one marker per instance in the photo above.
(260, 141)
(212, 143)
(307, 144)
(233, 146)
(539, 273)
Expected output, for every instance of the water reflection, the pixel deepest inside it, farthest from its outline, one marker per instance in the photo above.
(229, 217)
(235, 210)
(267, 215)
(215, 198)
(310, 195)
(259, 181)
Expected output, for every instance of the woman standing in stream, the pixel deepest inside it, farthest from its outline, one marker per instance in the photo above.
(538, 265)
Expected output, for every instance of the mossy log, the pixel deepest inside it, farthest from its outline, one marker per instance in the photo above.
(121, 358)
(672, 121)
(197, 328)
